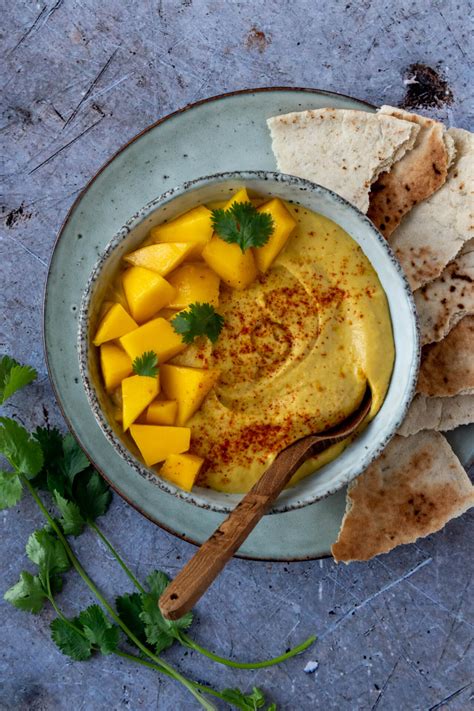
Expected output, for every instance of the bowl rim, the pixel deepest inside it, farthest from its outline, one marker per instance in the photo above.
(83, 344)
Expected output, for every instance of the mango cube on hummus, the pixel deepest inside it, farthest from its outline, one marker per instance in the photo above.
(193, 227)
(138, 392)
(146, 291)
(284, 224)
(236, 268)
(115, 364)
(116, 322)
(156, 443)
(188, 386)
(160, 258)
(158, 336)
(161, 412)
(193, 283)
(240, 196)
(182, 469)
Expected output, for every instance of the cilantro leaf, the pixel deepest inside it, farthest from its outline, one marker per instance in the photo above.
(146, 364)
(50, 440)
(27, 594)
(161, 633)
(71, 519)
(70, 639)
(98, 630)
(92, 494)
(243, 224)
(19, 448)
(247, 702)
(10, 489)
(74, 460)
(13, 377)
(129, 607)
(49, 554)
(198, 320)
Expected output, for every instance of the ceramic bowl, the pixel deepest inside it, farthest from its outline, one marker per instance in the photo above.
(368, 445)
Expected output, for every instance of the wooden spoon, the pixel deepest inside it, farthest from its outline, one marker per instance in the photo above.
(206, 564)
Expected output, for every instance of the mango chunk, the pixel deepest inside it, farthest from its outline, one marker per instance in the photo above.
(189, 386)
(284, 224)
(182, 469)
(138, 392)
(115, 364)
(146, 292)
(194, 282)
(157, 335)
(192, 227)
(160, 258)
(236, 268)
(240, 196)
(156, 443)
(116, 322)
(162, 412)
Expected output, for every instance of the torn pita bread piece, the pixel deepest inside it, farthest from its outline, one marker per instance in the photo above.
(416, 176)
(437, 413)
(434, 231)
(447, 367)
(442, 303)
(412, 490)
(342, 149)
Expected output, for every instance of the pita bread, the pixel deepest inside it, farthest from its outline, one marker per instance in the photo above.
(412, 490)
(343, 150)
(437, 413)
(420, 172)
(433, 232)
(447, 367)
(442, 303)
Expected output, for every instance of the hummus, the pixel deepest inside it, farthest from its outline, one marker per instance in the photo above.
(298, 348)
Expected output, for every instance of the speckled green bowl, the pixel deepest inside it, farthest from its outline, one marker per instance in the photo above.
(366, 447)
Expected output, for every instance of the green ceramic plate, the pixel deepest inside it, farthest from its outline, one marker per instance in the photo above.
(222, 134)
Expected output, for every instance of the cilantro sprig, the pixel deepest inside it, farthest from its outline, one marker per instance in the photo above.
(243, 224)
(13, 377)
(146, 364)
(198, 320)
(48, 463)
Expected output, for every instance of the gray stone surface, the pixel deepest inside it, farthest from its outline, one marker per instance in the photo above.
(80, 79)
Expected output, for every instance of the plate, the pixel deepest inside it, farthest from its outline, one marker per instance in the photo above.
(224, 133)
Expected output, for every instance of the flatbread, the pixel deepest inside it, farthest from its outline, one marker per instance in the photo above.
(412, 490)
(447, 367)
(344, 150)
(437, 413)
(442, 303)
(415, 177)
(434, 231)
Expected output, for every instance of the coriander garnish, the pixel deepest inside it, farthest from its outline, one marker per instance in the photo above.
(242, 224)
(146, 364)
(198, 320)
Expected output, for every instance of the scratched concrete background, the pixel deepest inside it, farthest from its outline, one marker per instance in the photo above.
(79, 79)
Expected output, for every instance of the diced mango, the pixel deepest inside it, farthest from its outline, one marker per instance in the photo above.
(157, 335)
(115, 364)
(194, 226)
(162, 412)
(236, 268)
(146, 292)
(116, 322)
(240, 196)
(160, 258)
(182, 469)
(189, 386)
(138, 392)
(157, 443)
(284, 224)
(194, 282)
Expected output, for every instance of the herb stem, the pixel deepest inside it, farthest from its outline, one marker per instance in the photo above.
(188, 642)
(92, 586)
(116, 555)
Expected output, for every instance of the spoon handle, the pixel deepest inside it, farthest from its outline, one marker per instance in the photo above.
(206, 564)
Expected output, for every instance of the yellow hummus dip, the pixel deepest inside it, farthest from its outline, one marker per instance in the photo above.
(296, 353)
